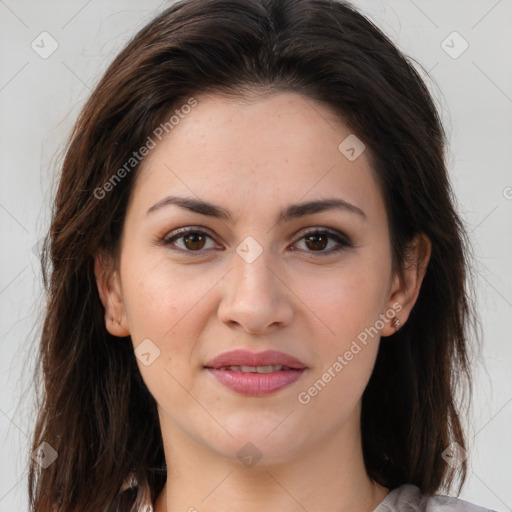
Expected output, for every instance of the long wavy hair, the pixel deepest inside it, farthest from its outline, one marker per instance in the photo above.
(93, 407)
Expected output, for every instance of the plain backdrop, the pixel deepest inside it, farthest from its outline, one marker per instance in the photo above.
(470, 76)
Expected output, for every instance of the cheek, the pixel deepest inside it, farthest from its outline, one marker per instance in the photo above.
(345, 301)
(164, 307)
(169, 306)
(159, 299)
(346, 346)
(348, 303)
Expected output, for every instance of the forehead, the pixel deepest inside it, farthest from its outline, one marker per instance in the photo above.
(281, 147)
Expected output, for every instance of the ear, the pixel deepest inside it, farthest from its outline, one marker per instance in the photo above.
(404, 293)
(109, 289)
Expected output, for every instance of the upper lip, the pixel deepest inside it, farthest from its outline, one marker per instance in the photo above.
(242, 357)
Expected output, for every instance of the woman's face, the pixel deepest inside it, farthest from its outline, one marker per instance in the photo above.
(255, 278)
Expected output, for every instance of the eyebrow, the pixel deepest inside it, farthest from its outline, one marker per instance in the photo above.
(293, 211)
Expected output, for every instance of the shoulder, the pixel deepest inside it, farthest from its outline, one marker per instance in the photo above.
(408, 498)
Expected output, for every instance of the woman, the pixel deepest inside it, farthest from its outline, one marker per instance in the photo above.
(257, 292)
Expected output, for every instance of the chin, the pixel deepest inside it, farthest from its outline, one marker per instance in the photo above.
(270, 440)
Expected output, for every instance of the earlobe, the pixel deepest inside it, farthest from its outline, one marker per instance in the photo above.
(405, 292)
(109, 289)
(395, 314)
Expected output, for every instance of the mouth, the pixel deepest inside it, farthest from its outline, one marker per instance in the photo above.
(255, 374)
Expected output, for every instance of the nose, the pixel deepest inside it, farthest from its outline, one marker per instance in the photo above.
(255, 297)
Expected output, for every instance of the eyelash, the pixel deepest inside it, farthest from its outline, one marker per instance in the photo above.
(343, 241)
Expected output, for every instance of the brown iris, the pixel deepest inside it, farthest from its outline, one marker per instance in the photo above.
(315, 240)
(196, 240)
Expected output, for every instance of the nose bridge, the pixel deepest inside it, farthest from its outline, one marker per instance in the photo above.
(252, 275)
(252, 266)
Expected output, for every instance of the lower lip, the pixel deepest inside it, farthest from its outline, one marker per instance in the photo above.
(256, 384)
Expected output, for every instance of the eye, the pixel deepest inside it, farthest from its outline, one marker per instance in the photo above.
(193, 240)
(315, 241)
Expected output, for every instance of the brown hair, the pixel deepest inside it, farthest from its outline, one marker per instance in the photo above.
(95, 409)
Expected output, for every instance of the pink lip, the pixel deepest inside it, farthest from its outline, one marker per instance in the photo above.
(255, 384)
(242, 357)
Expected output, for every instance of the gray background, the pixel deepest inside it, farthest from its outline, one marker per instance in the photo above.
(40, 99)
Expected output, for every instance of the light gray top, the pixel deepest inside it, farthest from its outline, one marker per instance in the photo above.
(408, 498)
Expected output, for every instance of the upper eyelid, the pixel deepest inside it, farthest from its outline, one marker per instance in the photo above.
(301, 233)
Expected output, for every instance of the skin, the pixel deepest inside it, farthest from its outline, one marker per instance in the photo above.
(254, 158)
